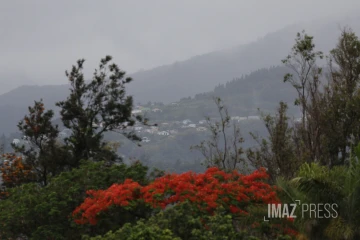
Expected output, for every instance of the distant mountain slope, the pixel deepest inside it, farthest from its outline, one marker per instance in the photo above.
(262, 89)
(197, 75)
(14, 104)
(26, 95)
(10, 79)
(202, 73)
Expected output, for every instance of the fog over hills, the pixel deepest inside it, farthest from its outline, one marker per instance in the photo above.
(202, 73)
(198, 74)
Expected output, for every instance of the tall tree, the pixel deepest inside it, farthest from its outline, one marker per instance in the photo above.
(277, 153)
(2, 144)
(343, 97)
(305, 78)
(41, 152)
(94, 108)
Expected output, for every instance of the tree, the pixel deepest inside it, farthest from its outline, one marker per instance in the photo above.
(41, 152)
(15, 172)
(138, 231)
(305, 80)
(277, 153)
(180, 222)
(223, 149)
(319, 184)
(36, 212)
(2, 144)
(90, 110)
(94, 108)
(343, 97)
(328, 127)
(302, 61)
(192, 206)
(207, 190)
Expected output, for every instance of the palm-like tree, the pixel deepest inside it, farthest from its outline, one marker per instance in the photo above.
(319, 184)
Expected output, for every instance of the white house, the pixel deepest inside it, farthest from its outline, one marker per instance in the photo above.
(173, 132)
(202, 121)
(242, 119)
(192, 125)
(154, 127)
(136, 111)
(164, 133)
(138, 128)
(156, 110)
(201, 129)
(186, 121)
(145, 139)
(149, 131)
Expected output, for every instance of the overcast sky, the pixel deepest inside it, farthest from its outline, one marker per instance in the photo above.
(40, 39)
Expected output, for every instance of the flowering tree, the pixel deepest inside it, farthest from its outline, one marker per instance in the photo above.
(14, 171)
(41, 151)
(234, 192)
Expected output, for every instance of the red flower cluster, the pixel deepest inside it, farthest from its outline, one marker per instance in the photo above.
(101, 200)
(206, 190)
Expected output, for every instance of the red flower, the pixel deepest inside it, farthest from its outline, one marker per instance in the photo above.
(207, 190)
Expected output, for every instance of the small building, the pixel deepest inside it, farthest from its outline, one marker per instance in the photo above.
(137, 111)
(202, 121)
(164, 133)
(242, 119)
(156, 110)
(149, 131)
(145, 139)
(201, 129)
(173, 132)
(186, 121)
(192, 125)
(138, 128)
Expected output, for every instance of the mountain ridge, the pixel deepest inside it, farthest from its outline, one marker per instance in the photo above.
(199, 74)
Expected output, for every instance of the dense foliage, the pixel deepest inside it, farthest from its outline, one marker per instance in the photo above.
(191, 201)
(44, 212)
